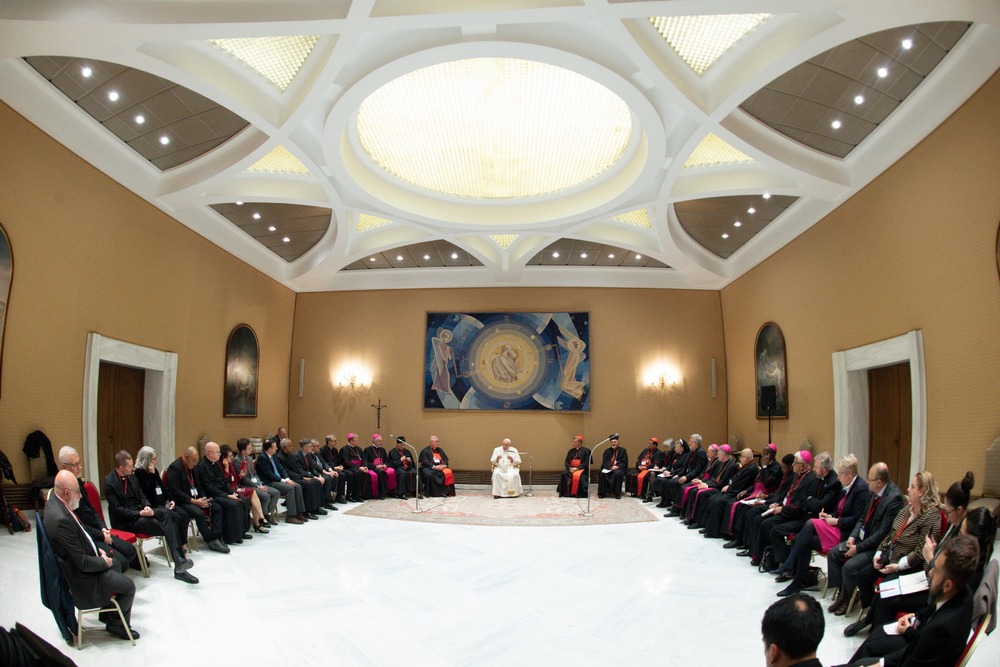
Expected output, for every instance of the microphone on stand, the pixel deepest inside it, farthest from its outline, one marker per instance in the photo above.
(402, 439)
(613, 436)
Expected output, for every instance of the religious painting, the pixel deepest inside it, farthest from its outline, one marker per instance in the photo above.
(242, 356)
(507, 361)
(772, 381)
(6, 274)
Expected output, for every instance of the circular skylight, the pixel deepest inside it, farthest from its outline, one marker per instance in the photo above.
(490, 128)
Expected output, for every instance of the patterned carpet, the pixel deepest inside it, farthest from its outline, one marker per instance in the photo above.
(478, 508)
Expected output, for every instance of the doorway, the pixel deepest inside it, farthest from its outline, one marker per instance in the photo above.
(120, 402)
(890, 413)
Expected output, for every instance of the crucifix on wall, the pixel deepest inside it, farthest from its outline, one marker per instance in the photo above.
(378, 413)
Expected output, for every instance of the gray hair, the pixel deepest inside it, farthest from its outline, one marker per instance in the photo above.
(144, 457)
(848, 464)
(64, 454)
(305, 441)
(824, 461)
(695, 438)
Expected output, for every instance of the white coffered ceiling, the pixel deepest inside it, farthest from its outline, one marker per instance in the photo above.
(383, 144)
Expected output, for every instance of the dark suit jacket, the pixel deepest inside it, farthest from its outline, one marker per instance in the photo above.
(826, 497)
(615, 457)
(696, 464)
(396, 459)
(347, 455)
(266, 470)
(881, 519)
(179, 483)
(292, 467)
(330, 455)
(125, 501)
(723, 475)
(82, 567)
(88, 516)
(427, 457)
(302, 466)
(804, 490)
(372, 452)
(854, 506)
(211, 480)
(743, 480)
(940, 637)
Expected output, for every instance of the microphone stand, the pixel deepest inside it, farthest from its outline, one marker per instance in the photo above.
(531, 463)
(416, 495)
(608, 439)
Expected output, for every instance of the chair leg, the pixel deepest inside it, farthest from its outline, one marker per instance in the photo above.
(141, 554)
(121, 615)
(850, 605)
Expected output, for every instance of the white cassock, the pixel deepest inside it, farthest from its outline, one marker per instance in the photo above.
(506, 477)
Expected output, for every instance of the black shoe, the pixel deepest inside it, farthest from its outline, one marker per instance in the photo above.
(856, 627)
(498, 497)
(673, 511)
(355, 499)
(731, 544)
(703, 531)
(342, 500)
(313, 517)
(661, 505)
(618, 496)
(600, 495)
(329, 506)
(754, 562)
(304, 517)
(647, 500)
(247, 536)
(119, 631)
(182, 565)
(186, 577)
(420, 496)
(782, 578)
(743, 554)
(320, 511)
(402, 496)
(693, 526)
(217, 545)
(790, 590)
(334, 508)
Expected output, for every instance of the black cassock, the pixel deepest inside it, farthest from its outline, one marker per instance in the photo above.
(434, 480)
(353, 476)
(648, 459)
(611, 482)
(373, 453)
(406, 471)
(582, 458)
(353, 459)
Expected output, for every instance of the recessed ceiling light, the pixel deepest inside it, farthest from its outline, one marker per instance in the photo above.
(371, 259)
(638, 256)
(86, 72)
(256, 216)
(164, 140)
(286, 239)
(399, 258)
(426, 257)
(907, 44)
(140, 119)
(272, 228)
(113, 96)
(737, 224)
(611, 256)
(454, 255)
(751, 210)
(883, 72)
(766, 195)
(835, 124)
(725, 236)
(555, 254)
(239, 203)
(859, 99)
(583, 255)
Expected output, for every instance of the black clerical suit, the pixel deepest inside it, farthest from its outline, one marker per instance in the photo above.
(647, 460)
(696, 466)
(677, 467)
(406, 471)
(745, 514)
(714, 515)
(373, 454)
(611, 481)
(791, 503)
(182, 489)
(582, 458)
(353, 459)
(94, 525)
(697, 500)
(352, 477)
(126, 500)
(311, 477)
(434, 481)
(333, 485)
(312, 492)
(792, 519)
(91, 580)
(211, 483)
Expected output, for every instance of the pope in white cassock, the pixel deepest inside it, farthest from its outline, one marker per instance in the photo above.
(506, 476)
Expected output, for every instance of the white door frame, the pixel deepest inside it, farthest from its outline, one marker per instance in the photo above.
(850, 397)
(158, 399)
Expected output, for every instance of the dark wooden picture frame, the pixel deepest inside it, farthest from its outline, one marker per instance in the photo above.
(6, 280)
(770, 370)
(242, 361)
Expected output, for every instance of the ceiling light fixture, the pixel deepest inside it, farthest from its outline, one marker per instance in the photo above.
(882, 72)
(256, 216)
(555, 254)
(164, 140)
(766, 195)
(751, 210)
(86, 72)
(272, 228)
(454, 255)
(371, 259)
(611, 256)
(286, 239)
(399, 258)
(113, 95)
(859, 99)
(239, 203)
(701, 40)
(638, 256)
(140, 119)
(737, 224)
(725, 236)
(835, 124)
(907, 44)
(426, 257)
(583, 255)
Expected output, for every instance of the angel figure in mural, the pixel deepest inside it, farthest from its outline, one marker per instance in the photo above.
(769, 372)
(442, 357)
(506, 367)
(574, 355)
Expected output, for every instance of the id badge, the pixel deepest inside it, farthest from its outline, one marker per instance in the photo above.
(861, 535)
(194, 492)
(255, 480)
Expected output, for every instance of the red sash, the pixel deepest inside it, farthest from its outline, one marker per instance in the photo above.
(638, 481)
(577, 474)
(449, 476)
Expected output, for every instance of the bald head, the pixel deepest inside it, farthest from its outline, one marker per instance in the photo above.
(67, 488)
(212, 451)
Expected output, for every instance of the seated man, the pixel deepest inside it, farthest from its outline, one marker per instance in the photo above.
(312, 490)
(704, 489)
(304, 465)
(822, 501)
(697, 463)
(272, 472)
(406, 470)
(506, 463)
(714, 513)
(94, 526)
(637, 480)
(377, 459)
(937, 634)
(333, 483)
(130, 511)
(614, 463)
(575, 479)
(92, 574)
(348, 489)
(681, 455)
(354, 461)
(211, 483)
(792, 630)
(436, 476)
(758, 527)
(206, 513)
(757, 503)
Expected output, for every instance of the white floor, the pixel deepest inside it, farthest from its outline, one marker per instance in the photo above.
(355, 591)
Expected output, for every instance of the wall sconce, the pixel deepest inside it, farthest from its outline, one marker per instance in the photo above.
(353, 379)
(663, 379)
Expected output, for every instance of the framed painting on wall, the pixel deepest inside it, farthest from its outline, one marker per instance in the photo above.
(507, 361)
(771, 377)
(242, 356)
(6, 275)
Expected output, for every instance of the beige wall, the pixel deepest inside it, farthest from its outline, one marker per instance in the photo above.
(916, 249)
(91, 256)
(631, 329)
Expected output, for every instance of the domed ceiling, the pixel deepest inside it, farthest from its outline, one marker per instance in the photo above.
(404, 144)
